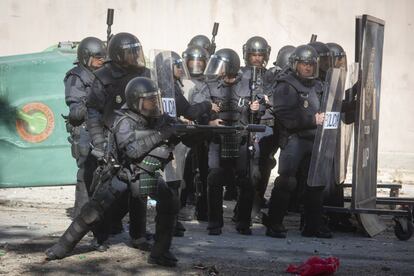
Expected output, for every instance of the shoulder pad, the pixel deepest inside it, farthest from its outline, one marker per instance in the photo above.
(85, 76)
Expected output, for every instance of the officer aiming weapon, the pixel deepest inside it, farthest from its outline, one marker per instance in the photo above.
(214, 33)
(109, 22)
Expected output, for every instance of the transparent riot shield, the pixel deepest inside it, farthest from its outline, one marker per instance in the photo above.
(324, 146)
(162, 72)
(370, 39)
(346, 129)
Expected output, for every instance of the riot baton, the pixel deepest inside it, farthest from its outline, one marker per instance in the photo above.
(313, 38)
(109, 22)
(213, 39)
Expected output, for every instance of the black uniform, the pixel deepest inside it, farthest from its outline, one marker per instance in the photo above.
(107, 95)
(295, 104)
(141, 153)
(228, 156)
(196, 167)
(78, 83)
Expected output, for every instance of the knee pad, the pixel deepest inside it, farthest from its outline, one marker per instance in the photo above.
(91, 212)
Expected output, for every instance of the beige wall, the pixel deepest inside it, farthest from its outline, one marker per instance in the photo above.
(33, 25)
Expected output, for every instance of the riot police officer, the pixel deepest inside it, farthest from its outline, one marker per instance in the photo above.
(90, 56)
(126, 61)
(228, 153)
(334, 193)
(141, 150)
(196, 167)
(296, 103)
(256, 53)
(170, 67)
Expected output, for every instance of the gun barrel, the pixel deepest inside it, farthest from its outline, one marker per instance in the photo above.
(182, 128)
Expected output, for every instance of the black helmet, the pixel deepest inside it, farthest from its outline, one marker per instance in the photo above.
(304, 54)
(282, 59)
(199, 56)
(200, 40)
(90, 47)
(338, 55)
(140, 89)
(325, 58)
(256, 45)
(224, 62)
(126, 50)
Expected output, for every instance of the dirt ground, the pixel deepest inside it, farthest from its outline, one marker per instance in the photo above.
(32, 219)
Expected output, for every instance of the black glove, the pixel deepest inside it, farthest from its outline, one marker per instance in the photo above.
(99, 153)
(165, 125)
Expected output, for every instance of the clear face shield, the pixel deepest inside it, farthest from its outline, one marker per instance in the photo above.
(196, 65)
(307, 69)
(325, 62)
(133, 55)
(150, 104)
(340, 62)
(180, 70)
(216, 67)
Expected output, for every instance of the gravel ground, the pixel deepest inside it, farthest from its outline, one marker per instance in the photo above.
(32, 219)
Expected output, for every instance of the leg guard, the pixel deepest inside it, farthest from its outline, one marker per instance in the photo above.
(167, 209)
(279, 201)
(215, 198)
(244, 204)
(137, 217)
(90, 214)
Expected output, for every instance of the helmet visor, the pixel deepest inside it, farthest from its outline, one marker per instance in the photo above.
(180, 70)
(133, 55)
(196, 65)
(307, 69)
(216, 67)
(150, 104)
(340, 62)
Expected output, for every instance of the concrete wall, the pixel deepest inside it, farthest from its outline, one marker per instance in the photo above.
(29, 26)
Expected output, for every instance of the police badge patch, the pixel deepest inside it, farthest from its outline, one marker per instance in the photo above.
(305, 103)
(118, 99)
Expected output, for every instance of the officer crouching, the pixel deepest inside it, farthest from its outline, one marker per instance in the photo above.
(141, 132)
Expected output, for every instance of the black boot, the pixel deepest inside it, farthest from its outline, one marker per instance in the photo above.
(274, 230)
(244, 206)
(160, 253)
(76, 231)
(314, 225)
(215, 201)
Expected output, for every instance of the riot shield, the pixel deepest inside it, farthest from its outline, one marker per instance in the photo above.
(162, 73)
(324, 146)
(370, 39)
(343, 144)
